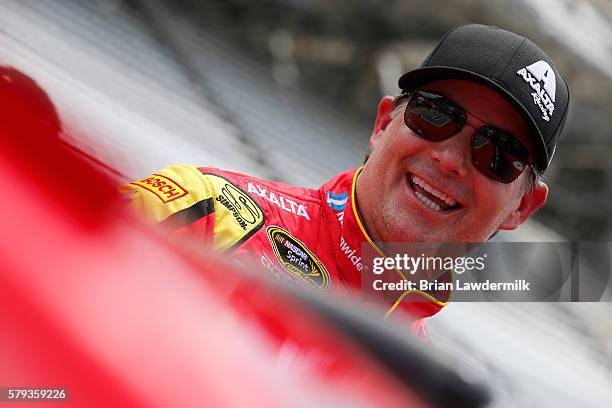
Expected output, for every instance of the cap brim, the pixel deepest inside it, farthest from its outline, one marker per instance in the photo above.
(420, 76)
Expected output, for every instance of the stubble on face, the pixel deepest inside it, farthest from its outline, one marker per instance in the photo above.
(392, 216)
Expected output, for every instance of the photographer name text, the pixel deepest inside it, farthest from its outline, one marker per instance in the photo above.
(428, 285)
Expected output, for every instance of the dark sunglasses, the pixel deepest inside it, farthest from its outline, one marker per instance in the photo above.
(495, 154)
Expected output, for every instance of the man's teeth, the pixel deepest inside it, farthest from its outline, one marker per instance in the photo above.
(427, 187)
(427, 201)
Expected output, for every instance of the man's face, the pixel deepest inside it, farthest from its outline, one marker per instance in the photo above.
(400, 158)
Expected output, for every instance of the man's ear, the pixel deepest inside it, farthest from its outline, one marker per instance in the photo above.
(531, 202)
(383, 118)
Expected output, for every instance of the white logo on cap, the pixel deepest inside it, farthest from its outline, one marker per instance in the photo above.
(541, 77)
(543, 72)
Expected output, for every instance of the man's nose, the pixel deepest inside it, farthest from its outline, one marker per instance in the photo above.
(453, 154)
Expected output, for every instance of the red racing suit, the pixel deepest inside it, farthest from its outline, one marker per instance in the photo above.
(306, 236)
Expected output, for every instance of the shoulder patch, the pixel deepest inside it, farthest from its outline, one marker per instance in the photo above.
(237, 215)
(163, 187)
(298, 260)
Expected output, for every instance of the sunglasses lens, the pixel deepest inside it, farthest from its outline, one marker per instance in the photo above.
(497, 155)
(432, 116)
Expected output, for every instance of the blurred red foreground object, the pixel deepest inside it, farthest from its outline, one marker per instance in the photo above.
(98, 305)
(94, 303)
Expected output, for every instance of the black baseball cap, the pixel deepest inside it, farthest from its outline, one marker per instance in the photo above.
(511, 65)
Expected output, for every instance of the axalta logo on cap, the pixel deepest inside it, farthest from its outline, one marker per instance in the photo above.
(163, 187)
(541, 77)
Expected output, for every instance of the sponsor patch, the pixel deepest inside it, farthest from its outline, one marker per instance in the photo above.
(237, 215)
(163, 187)
(242, 207)
(280, 201)
(336, 202)
(541, 77)
(351, 254)
(297, 259)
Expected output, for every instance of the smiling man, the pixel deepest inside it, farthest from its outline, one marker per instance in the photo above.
(455, 157)
(440, 179)
(459, 154)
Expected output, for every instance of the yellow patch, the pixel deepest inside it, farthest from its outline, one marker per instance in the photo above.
(163, 187)
(237, 215)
